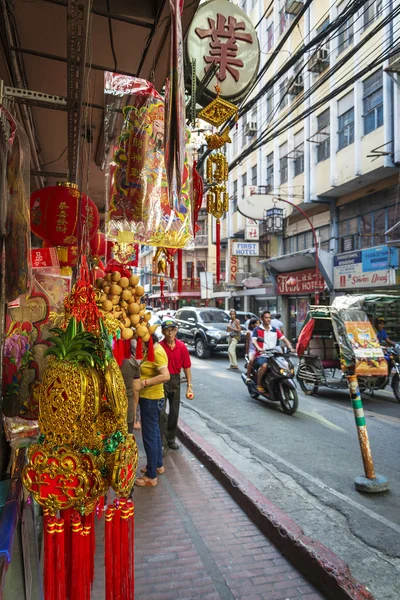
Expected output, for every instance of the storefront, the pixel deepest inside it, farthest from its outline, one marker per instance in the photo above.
(373, 270)
(296, 281)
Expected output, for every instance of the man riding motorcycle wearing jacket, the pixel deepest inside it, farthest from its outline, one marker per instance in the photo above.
(270, 338)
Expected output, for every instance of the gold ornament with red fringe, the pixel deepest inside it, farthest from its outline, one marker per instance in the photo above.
(217, 198)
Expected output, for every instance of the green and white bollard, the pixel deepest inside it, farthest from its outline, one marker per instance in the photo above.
(371, 481)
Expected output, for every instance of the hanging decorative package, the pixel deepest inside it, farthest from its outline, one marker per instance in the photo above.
(138, 204)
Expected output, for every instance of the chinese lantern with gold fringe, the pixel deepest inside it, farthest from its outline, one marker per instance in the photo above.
(217, 198)
(54, 214)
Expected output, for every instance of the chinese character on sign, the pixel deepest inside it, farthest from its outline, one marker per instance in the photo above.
(224, 53)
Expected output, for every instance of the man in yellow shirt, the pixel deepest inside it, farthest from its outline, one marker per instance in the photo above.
(153, 374)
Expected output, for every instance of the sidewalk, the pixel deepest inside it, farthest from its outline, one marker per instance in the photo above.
(193, 541)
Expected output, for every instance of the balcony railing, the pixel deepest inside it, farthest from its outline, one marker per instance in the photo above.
(188, 285)
(201, 240)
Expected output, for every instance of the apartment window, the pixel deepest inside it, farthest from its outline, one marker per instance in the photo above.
(324, 145)
(282, 20)
(299, 152)
(244, 183)
(244, 140)
(270, 170)
(372, 11)
(323, 26)
(346, 121)
(270, 104)
(223, 267)
(189, 270)
(270, 35)
(283, 95)
(235, 196)
(253, 3)
(373, 102)
(346, 31)
(283, 163)
(235, 141)
(200, 268)
(254, 175)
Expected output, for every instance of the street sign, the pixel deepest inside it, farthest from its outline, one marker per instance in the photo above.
(252, 231)
(245, 249)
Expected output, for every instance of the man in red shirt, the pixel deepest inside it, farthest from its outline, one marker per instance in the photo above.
(178, 359)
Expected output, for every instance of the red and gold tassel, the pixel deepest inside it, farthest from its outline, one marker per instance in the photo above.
(117, 551)
(131, 551)
(139, 349)
(172, 268)
(61, 591)
(125, 554)
(218, 250)
(77, 572)
(162, 297)
(109, 553)
(50, 564)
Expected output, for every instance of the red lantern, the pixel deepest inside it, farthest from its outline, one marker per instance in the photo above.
(54, 214)
(99, 246)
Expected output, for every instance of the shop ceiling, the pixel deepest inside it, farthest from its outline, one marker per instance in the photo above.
(61, 49)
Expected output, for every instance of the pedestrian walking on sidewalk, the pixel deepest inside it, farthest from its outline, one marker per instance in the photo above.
(131, 372)
(178, 359)
(234, 330)
(153, 374)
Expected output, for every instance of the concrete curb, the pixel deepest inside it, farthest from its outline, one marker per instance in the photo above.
(326, 571)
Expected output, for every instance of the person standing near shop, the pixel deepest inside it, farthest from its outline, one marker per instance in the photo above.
(131, 373)
(153, 374)
(234, 330)
(277, 323)
(178, 359)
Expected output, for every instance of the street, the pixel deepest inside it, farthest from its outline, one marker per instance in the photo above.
(306, 464)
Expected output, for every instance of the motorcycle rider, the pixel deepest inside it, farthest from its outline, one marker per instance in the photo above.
(270, 337)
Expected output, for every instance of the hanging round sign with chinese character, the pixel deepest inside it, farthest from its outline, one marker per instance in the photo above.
(222, 38)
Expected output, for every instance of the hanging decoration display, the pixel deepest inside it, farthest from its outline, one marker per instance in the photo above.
(198, 190)
(139, 208)
(54, 214)
(174, 130)
(217, 198)
(83, 450)
(14, 211)
(122, 253)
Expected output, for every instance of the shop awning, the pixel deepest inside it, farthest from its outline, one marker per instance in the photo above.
(298, 261)
(40, 39)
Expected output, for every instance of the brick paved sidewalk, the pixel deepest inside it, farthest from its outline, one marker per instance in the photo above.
(193, 541)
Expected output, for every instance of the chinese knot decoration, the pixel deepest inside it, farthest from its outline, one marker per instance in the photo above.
(84, 449)
(217, 198)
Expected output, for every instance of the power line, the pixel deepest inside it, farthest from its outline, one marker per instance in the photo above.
(259, 141)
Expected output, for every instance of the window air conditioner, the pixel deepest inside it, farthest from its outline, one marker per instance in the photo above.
(293, 7)
(297, 85)
(250, 128)
(319, 61)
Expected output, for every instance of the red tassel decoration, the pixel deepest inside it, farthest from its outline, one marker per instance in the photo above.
(218, 250)
(86, 560)
(61, 591)
(117, 552)
(50, 564)
(127, 349)
(109, 553)
(172, 268)
(150, 350)
(77, 572)
(139, 350)
(131, 551)
(162, 297)
(66, 516)
(125, 558)
(180, 262)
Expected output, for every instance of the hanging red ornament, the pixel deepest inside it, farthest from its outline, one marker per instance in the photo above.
(180, 264)
(54, 214)
(162, 297)
(218, 249)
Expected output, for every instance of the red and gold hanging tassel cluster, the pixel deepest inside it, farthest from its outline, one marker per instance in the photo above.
(69, 548)
(119, 548)
(217, 198)
(180, 264)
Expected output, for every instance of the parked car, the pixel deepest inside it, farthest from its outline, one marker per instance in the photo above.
(164, 314)
(204, 329)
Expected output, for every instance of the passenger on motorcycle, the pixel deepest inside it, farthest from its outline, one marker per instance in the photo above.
(250, 349)
(270, 337)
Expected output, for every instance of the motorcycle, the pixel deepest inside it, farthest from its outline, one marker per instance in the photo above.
(394, 364)
(278, 382)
